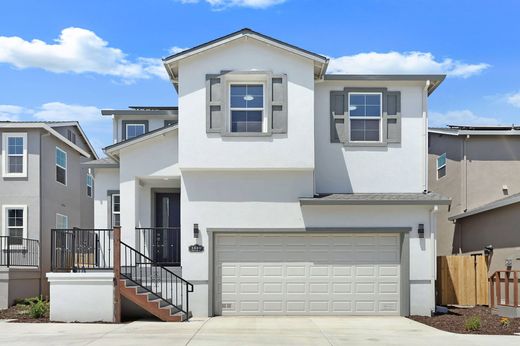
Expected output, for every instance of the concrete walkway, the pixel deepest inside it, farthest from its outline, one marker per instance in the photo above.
(229, 331)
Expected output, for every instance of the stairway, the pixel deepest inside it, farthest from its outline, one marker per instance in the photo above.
(150, 302)
(153, 287)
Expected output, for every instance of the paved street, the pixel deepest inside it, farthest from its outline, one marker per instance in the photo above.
(245, 331)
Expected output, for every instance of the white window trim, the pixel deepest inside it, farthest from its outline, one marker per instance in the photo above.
(112, 212)
(5, 170)
(65, 168)
(65, 217)
(5, 232)
(380, 118)
(442, 166)
(91, 185)
(265, 116)
(126, 129)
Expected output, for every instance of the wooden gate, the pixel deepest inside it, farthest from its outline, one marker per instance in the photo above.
(462, 280)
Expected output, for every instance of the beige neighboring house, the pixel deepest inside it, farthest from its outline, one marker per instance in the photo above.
(479, 168)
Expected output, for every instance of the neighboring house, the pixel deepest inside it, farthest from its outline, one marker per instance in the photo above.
(42, 186)
(478, 168)
(303, 191)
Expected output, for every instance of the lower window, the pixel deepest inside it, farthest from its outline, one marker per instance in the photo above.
(62, 221)
(116, 210)
(15, 224)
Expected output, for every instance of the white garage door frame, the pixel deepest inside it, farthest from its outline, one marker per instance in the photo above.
(404, 263)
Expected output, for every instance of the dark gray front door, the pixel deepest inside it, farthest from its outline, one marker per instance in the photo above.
(166, 240)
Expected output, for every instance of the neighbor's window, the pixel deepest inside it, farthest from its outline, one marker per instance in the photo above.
(365, 113)
(61, 166)
(62, 221)
(116, 210)
(90, 185)
(246, 105)
(15, 223)
(15, 154)
(134, 130)
(441, 166)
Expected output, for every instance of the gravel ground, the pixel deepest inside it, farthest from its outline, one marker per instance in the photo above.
(454, 321)
(20, 313)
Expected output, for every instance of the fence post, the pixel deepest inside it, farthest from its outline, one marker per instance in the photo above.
(8, 251)
(515, 289)
(492, 290)
(117, 274)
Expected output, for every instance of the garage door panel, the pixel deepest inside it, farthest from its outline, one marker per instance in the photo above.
(281, 274)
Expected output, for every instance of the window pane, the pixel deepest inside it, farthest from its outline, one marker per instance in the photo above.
(364, 130)
(255, 89)
(246, 121)
(15, 164)
(357, 111)
(15, 145)
(441, 161)
(365, 105)
(61, 158)
(61, 175)
(134, 130)
(373, 111)
(374, 100)
(239, 90)
(255, 101)
(115, 203)
(116, 221)
(238, 102)
(357, 99)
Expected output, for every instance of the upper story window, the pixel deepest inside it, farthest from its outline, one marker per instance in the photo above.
(90, 185)
(61, 166)
(15, 224)
(71, 136)
(365, 113)
(134, 128)
(14, 152)
(441, 166)
(246, 104)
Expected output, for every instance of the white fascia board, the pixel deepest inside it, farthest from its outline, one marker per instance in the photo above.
(112, 152)
(75, 123)
(245, 169)
(476, 132)
(48, 129)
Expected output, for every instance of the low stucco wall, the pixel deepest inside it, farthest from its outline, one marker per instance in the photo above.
(18, 283)
(81, 297)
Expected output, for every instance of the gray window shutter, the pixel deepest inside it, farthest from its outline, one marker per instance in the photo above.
(214, 104)
(338, 110)
(279, 103)
(393, 117)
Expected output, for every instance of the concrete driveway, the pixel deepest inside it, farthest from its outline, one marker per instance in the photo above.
(229, 331)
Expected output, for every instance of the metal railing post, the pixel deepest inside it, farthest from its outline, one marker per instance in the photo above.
(117, 274)
(8, 251)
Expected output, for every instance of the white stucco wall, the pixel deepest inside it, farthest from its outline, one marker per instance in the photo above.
(105, 180)
(396, 168)
(198, 149)
(81, 297)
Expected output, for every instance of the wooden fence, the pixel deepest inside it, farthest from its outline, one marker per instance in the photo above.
(462, 280)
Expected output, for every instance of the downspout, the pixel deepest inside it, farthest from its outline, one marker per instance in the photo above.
(425, 134)
(433, 240)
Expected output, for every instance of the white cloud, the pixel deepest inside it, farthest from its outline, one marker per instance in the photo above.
(77, 50)
(514, 99)
(222, 4)
(175, 50)
(12, 112)
(405, 63)
(460, 117)
(58, 111)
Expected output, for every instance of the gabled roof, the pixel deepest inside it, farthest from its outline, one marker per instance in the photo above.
(49, 127)
(171, 62)
(114, 148)
(429, 198)
(480, 130)
(105, 162)
(487, 207)
(143, 110)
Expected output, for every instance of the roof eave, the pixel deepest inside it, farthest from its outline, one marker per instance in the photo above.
(317, 201)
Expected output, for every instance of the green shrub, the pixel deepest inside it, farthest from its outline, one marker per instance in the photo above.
(472, 323)
(39, 308)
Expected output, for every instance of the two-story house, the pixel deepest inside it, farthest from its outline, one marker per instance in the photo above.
(42, 186)
(275, 188)
(478, 168)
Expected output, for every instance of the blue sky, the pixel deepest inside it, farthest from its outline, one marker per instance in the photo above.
(68, 59)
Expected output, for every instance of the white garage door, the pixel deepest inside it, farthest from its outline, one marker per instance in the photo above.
(307, 274)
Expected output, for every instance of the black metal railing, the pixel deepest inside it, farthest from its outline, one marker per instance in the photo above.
(161, 244)
(81, 249)
(165, 285)
(19, 252)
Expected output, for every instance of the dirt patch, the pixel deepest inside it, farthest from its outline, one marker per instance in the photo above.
(20, 313)
(455, 321)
